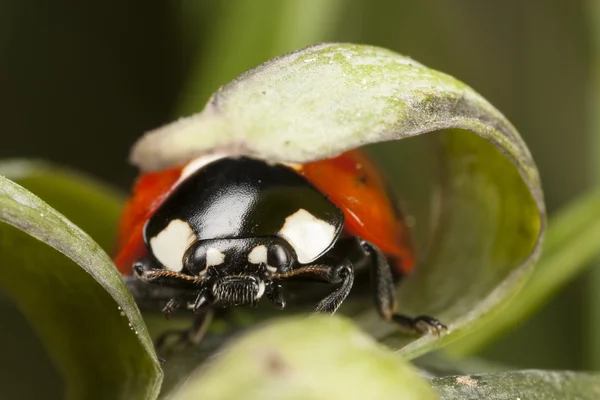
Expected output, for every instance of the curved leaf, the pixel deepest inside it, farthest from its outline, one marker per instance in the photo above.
(306, 358)
(69, 289)
(325, 99)
(91, 205)
(530, 385)
(571, 244)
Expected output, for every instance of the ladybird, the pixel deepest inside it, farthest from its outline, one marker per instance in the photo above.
(226, 231)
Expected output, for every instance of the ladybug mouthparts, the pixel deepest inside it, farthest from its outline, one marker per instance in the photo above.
(238, 290)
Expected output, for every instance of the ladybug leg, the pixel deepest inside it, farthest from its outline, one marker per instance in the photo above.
(177, 302)
(202, 306)
(385, 296)
(184, 338)
(329, 270)
(201, 323)
(275, 295)
(342, 273)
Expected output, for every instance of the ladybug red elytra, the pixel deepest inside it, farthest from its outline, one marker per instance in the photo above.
(225, 231)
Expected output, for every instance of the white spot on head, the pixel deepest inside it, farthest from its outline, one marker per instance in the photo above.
(308, 235)
(214, 257)
(258, 255)
(271, 269)
(171, 243)
(261, 290)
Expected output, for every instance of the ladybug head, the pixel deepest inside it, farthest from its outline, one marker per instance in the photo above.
(227, 272)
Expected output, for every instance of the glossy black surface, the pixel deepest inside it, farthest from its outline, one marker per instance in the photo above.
(280, 255)
(237, 198)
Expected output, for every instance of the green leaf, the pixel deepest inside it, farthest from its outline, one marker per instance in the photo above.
(571, 244)
(91, 205)
(530, 385)
(323, 100)
(68, 288)
(440, 364)
(306, 358)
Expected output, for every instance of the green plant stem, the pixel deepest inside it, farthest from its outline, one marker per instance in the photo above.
(592, 356)
(247, 33)
(572, 242)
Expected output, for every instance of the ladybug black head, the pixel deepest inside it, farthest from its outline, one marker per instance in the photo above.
(228, 272)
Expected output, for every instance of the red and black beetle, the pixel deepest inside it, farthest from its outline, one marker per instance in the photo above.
(225, 231)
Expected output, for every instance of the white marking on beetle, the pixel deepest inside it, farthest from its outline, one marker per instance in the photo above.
(258, 255)
(307, 234)
(214, 257)
(261, 290)
(271, 269)
(171, 243)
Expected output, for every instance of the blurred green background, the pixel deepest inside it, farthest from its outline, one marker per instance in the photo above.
(80, 81)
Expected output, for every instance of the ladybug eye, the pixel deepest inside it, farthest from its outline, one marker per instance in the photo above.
(194, 259)
(279, 256)
(201, 255)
